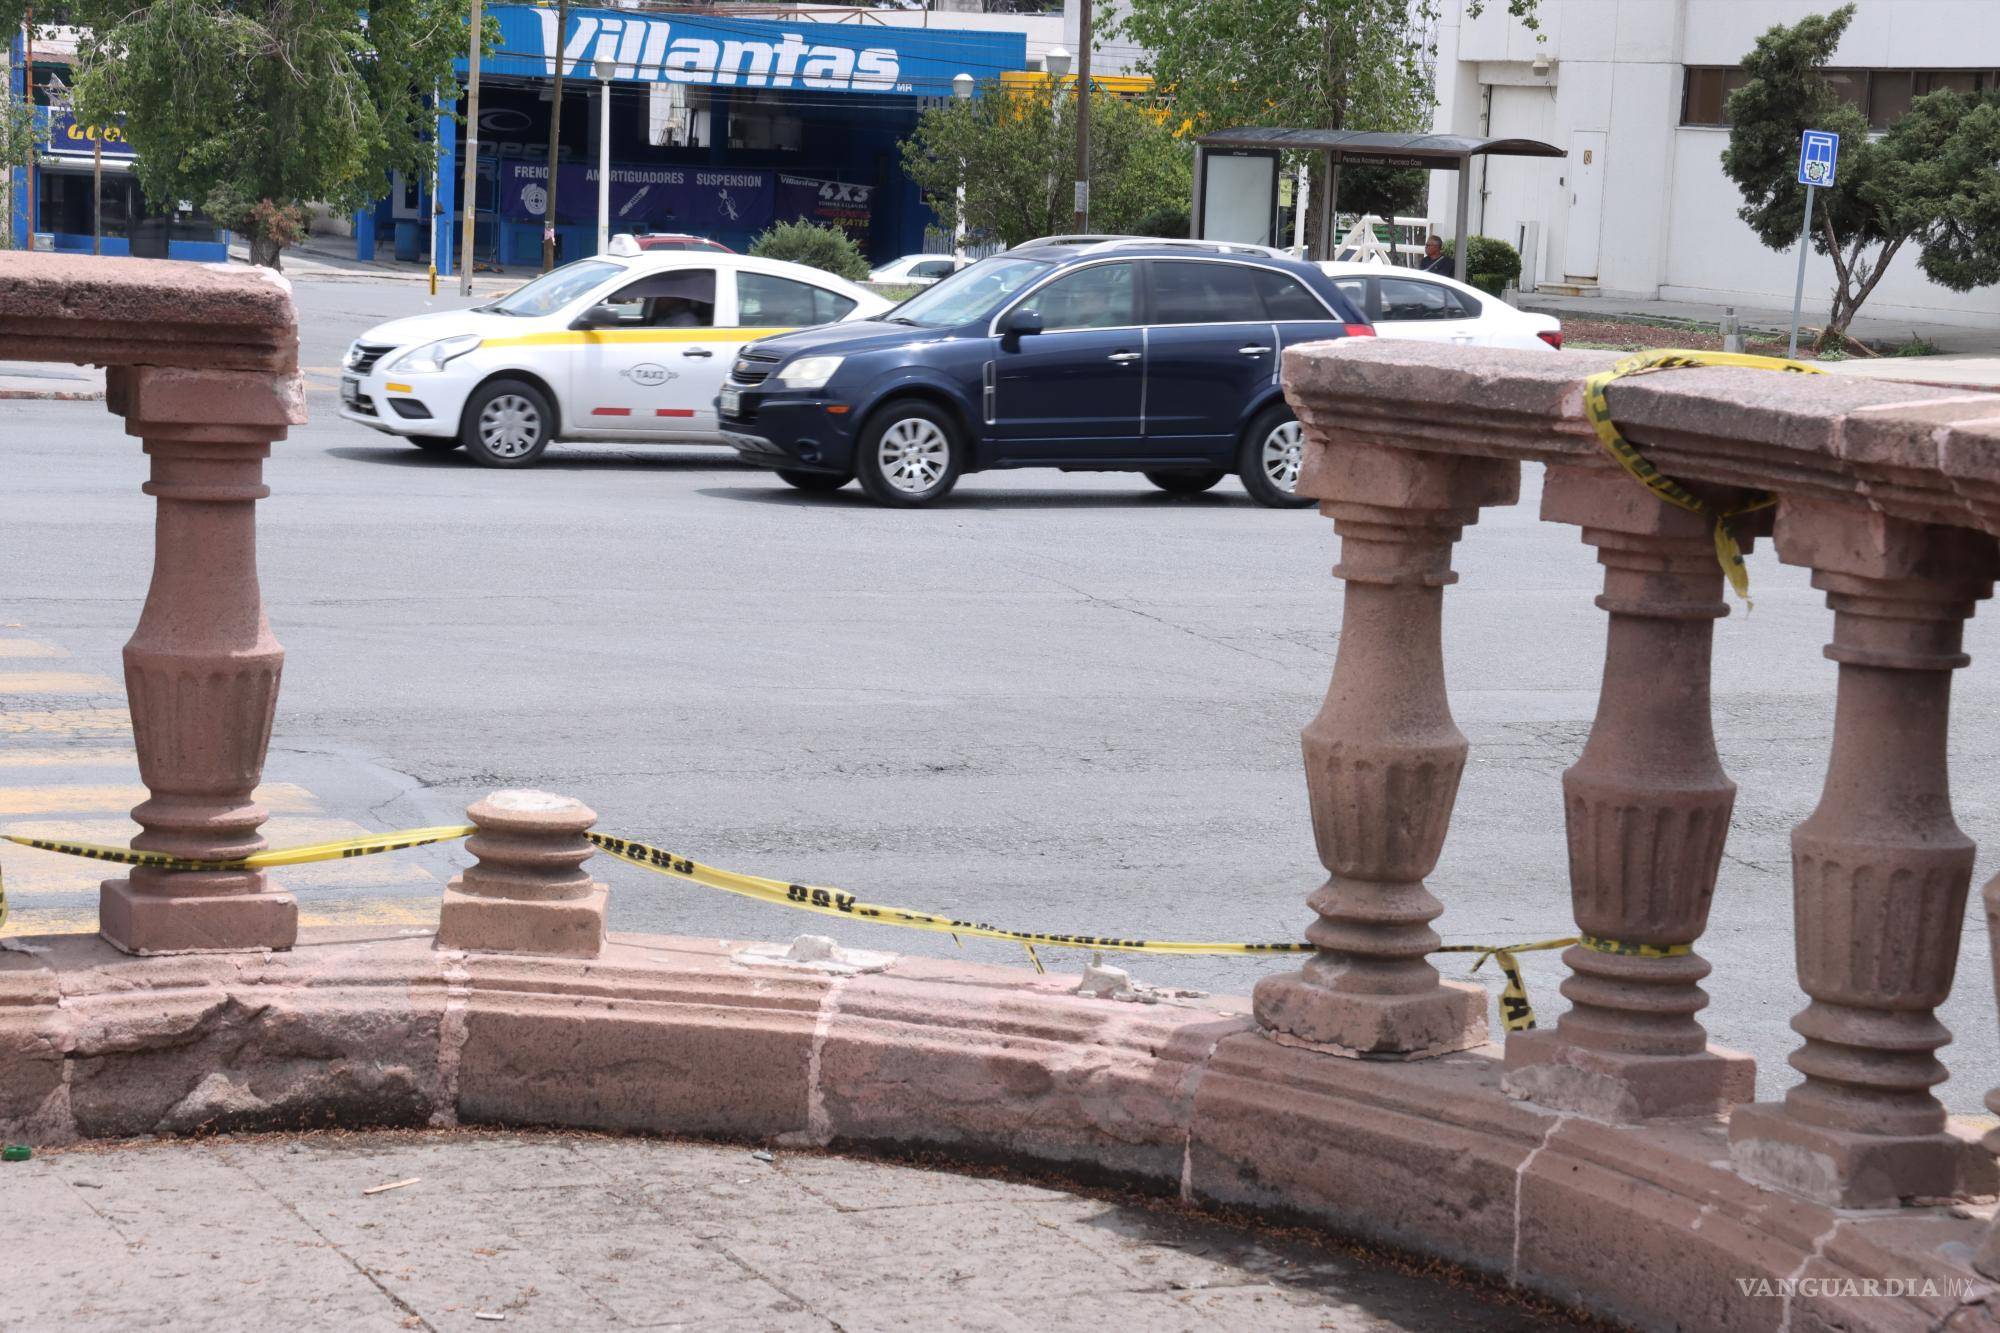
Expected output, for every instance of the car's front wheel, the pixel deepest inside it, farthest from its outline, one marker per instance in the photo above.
(507, 424)
(909, 454)
(1269, 463)
(812, 481)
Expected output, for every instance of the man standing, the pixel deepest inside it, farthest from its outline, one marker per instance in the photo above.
(1434, 256)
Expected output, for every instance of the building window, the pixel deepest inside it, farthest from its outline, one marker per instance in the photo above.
(1880, 94)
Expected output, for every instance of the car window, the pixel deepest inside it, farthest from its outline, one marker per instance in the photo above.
(1406, 298)
(682, 298)
(932, 268)
(974, 293)
(763, 300)
(1285, 297)
(1102, 296)
(554, 289)
(1190, 292)
(1356, 292)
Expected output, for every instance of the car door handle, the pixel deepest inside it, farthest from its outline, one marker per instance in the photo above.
(1253, 350)
(1124, 356)
(697, 351)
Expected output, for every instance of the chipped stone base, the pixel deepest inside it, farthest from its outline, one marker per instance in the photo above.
(156, 923)
(1849, 1170)
(1450, 1018)
(1647, 1225)
(1544, 1068)
(569, 927)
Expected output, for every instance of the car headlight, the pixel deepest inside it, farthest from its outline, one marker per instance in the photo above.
(809, 372)
(432, 356)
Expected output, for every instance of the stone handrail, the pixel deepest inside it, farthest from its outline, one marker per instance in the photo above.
(1888, 493)
(202, 362)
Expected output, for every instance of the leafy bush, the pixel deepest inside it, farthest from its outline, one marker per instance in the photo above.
(1168, 220)
(827, 248)
(1490, 264)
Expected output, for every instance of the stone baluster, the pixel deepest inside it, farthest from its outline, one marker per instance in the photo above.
(1647, 807)
(529, 892)
(202, 669)
(1880, 873)
(1383, 760)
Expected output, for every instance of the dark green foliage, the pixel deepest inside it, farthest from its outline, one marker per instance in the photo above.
(827, 248)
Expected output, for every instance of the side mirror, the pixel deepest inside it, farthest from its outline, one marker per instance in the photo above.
(1019, 323)
(600, 316)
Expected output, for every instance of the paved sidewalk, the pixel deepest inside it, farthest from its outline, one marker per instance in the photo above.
(47, 379)
(1947, 337)
(575, 1232)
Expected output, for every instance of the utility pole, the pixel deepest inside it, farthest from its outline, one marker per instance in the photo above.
(34, 154)
(96, 191)
(555, 137)
(470, 199)
(1083, 116)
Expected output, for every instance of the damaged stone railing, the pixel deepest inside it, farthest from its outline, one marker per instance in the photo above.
(202, 362)
(1890, 494)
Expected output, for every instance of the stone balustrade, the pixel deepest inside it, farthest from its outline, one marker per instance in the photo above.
(202, 362)
(1888, 493)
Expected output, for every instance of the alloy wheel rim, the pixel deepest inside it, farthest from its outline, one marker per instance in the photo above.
(914, 454)
(509, 425)
(1281, 456)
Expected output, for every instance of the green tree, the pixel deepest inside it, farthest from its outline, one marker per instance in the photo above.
(1301, 64)
(18, 147)
(1015, 153)
(1929, 181)
(255, 107)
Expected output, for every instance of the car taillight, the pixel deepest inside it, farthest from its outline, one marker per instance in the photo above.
(1359, 330)
(1553, 337)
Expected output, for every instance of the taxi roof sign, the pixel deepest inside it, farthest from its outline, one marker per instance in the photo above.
(1819, 151)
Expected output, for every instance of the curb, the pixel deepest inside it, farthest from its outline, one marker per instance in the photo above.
(52, 395)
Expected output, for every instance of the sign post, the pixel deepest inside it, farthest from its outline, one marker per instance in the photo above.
(1818, 153)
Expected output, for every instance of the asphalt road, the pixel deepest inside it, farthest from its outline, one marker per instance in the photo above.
(1063, 702)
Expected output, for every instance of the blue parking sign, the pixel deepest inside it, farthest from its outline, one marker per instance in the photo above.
(1818, 152)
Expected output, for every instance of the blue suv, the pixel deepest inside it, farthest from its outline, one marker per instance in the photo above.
(1134, 355)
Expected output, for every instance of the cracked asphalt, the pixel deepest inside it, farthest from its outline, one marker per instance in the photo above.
(565, 1232)
(1060, 702)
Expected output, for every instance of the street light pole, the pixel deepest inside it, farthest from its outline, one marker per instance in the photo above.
(555, 139)
(604, 68)
(1083, 116)
(470, 199)
(961, 88)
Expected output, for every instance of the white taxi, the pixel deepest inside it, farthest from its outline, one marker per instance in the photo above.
(629, 347)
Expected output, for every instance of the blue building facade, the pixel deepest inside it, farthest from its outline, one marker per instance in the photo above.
(719, 126)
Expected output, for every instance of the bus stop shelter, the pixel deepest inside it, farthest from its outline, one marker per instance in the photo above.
(1433, 152)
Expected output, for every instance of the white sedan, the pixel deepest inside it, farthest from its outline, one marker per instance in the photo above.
(627, 347)
(916, 270)
(1407, 303)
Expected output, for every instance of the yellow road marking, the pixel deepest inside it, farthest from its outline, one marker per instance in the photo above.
(29, 648)
(56, 682)
(278, 797)
(68, 721)
(76, 756)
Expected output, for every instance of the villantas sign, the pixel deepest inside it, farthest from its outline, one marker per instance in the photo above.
(660, 50)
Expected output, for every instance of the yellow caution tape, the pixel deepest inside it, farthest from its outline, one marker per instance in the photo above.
(1516, 1013)
(1597, 410)
(281, 856)
(1625, 950)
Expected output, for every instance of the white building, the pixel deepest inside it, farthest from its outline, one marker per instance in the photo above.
(1633, 89)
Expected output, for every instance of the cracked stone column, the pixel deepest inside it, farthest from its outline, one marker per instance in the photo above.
(529, 892)
(202, 669)
(1383, 760)
(1647, 808)
(1880, 873)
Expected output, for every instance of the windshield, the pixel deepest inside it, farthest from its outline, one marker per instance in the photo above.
(970, 294)
(555, 289)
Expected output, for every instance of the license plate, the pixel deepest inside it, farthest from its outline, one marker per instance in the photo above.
(350, 390)
(730, 403)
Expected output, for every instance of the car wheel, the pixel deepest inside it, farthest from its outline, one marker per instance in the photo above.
(1186, 482)
(1269, 464)
(507, 424)
(812, 481)
(435, 444)
(909, 455)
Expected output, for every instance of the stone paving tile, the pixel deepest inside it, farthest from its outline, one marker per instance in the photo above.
(569, 1233)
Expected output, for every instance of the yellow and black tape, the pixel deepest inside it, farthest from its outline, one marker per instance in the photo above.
(1516, 1013)
(1597, 410)
(1624, 950)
